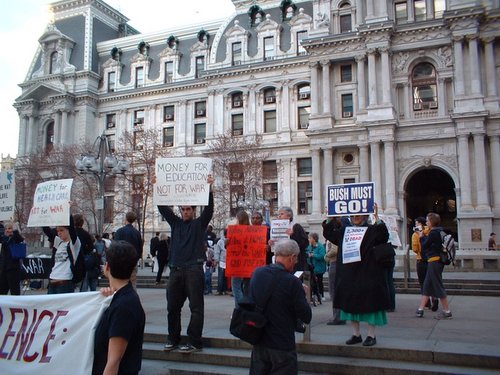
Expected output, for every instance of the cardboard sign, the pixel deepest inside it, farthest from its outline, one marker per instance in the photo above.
(51, 204)
(245, 250)
(182, 181)
(351, 199)
(279, 228)
(392, 226)
(44, 334)
(7, 195)
(351, 245)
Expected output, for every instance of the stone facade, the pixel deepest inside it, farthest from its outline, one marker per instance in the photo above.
(341, 91)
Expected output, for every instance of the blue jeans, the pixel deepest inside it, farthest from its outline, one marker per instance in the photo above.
(240, 288)
(186, 283)
(208, 280)
(221, 280)
(88, 283)
(68, 287)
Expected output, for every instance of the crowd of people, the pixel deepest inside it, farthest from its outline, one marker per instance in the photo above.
(359, 290)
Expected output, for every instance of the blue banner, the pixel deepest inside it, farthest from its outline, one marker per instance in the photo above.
(351, 199)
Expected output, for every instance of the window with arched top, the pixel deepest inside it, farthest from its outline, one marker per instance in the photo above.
(345, 17)
(237, 100)
(53, 62)
(424, 87)
(270, 96)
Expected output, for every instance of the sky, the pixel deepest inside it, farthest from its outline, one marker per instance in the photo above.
(22, 22)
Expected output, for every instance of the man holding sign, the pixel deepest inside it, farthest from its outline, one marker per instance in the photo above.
(187, 254)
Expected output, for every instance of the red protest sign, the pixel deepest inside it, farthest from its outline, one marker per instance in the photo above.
(246, 249)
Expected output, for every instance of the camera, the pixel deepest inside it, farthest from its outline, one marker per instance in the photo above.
(300, 326)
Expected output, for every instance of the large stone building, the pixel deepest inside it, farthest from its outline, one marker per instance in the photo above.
(403, 93)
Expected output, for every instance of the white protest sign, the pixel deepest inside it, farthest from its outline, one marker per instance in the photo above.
(51, 204)
(351, 246)
(44, 334)
(7, 194)
(182, 181)
(279, 228)
(392, 226)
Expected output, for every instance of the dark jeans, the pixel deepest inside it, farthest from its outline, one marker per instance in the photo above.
(208, 280)
(186, 283)
(68, 287)
(161, 267)
(221, 280)
(271, 361)
(319, 281)
(89, 282)
(10, 280)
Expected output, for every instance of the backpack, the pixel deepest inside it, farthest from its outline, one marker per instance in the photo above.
(78, 266)
(449, 249)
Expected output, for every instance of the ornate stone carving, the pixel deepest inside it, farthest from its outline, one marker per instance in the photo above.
(399, 61)
(322, 20)
(446, 56)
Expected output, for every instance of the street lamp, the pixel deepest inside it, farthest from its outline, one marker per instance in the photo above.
(255, 204)
(101, 163)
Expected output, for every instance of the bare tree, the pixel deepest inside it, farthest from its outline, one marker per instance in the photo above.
(238, 166)
(141, 147)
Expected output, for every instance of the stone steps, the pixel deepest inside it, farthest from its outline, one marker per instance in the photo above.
(231, 356)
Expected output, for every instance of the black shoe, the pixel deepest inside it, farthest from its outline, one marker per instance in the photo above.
(435, 304)
(188, 348)
(354, 340)
(419, 313)
(369, 341)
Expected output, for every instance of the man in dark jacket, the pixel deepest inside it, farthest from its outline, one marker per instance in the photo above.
(132, 236)
(187, 279)
(286, 306)
(153, 244)
(10, 270)
(89, 253)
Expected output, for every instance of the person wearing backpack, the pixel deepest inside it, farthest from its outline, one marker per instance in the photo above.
(90, 256)
(432, 246)
(65, 252)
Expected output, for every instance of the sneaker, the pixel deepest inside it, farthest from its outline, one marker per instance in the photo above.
(188, 348)
(435, 304)
(354, 340)
(169, 346)
(419, 313)
(443, 315)
(369, 341)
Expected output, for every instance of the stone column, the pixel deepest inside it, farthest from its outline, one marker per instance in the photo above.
(495, 166)
(359, 12)
(386, 75)
(376, 175)
(316, 182)
(23, 128)
(489, 62)
(181, 135)
(64, 128)
(459, 67)
(284, 120)
(441, 97)
(251, 109)
(390, 178)
(328, 166)
(314, 88)
(372, 78)
(31, 143)
(382, 8)
(364, 164)
(57, 128)
(475, 76)
(210, 131)
(481, 173)
(411, 10)
(369, 9)
(360, 60)
(407, 99)
(429, 9)
(464, 172)
(325, 84)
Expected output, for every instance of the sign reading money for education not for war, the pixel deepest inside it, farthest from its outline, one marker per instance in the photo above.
(351, 199)
(7, 195)
(182, 181)
(51, 204)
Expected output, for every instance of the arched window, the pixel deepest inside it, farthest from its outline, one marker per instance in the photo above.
(269, 96)
(53, 62)
(424, 88)
(49, 138)
(237, 100)
(345, 17)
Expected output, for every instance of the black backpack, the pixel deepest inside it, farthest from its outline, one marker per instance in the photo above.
(78, 267)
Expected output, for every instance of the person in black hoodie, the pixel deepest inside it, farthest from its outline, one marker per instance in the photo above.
(10, 267)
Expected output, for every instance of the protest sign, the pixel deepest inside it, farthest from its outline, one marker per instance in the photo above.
(51, 204)
(182, 181)
(392, 226)
(351, 199)
(7, 194)
(279, 228)
(36, 267)
(44, 334)
(351, 246)
(246, 249)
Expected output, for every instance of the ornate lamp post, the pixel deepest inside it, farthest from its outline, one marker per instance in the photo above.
(101, 163)
(255, 204)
